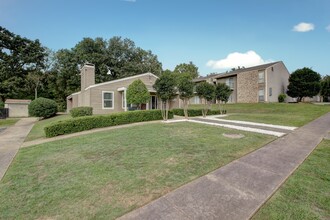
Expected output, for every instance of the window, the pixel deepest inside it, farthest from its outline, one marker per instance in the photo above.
(270, 91)
(107, 99)
(230, 83)
(261, 95)
(261, 76)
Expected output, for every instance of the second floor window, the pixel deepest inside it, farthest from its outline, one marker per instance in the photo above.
(261, 76)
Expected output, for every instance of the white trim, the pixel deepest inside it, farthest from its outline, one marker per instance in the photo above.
(121, 89)
(113, 100)
(119, 80)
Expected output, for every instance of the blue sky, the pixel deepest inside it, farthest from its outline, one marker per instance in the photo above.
(214, 34)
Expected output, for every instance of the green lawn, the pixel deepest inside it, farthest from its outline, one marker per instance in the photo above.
(37, 131)
(306, 194)
(8, 122)
(106, 174)
(290, 114)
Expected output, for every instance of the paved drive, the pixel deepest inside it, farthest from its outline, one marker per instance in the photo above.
(238, 189)
(10, 141)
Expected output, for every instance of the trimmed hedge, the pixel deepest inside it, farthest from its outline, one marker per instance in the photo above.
(99, 121)
(194, 112)
(81, 111)
(42, 107)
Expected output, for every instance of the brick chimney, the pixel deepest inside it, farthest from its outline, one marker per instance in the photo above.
(87, 73)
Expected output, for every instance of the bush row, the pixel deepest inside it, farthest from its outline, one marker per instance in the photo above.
(89, 122)
(194, 112)
(81, 111)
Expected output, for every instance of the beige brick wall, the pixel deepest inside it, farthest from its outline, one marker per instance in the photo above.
(247, 87)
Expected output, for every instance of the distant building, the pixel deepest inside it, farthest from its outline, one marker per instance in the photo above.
(255, 84)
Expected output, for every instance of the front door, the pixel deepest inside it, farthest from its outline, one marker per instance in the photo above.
(153, 102)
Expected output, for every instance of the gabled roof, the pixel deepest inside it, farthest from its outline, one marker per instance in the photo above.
(241, 70)
(119, 80)
(235, 72)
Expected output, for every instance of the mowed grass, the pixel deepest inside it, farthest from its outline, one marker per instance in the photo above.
(107, 174)
(8, 122)
(306, 194)
(290, 114)
(37, 131)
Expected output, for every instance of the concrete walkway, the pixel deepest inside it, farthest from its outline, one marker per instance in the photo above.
(239, 189)
(10, 141)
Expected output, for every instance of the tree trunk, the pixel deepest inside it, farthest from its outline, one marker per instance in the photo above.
(167, 107)
(219, 102)
(162, 107)
(185, 108)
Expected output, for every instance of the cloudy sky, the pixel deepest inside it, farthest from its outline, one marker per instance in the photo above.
(214, 34)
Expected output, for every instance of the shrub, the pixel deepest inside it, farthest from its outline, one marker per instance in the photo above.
(81, 111)
(2, 105)
(194, 112)
(99, 121)
(42, 107)
(281, 97)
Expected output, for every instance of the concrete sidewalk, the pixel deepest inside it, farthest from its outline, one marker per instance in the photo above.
(10, 141)
(239, 189)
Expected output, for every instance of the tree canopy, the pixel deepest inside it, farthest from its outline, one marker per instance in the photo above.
(189, 68)
(137, 93)
(165, 87)
(185, 87)
(19, 56)
(205, 91)
(304, 83)
(222, 93)
(325, 87)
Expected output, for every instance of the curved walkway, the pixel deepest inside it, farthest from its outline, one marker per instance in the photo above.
(10, 141)
(239, 189)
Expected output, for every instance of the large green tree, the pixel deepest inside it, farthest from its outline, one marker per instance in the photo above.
(325, 88)
(19, 57)
(185, 87)
(304, 83)
(190, 68)
(165, 87)
(222, 93)
(137, 93)
(205, 91)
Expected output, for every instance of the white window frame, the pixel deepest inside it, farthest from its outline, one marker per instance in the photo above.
(113, 100)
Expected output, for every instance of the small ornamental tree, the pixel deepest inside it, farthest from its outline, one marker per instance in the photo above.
(165, 88)
(206, 92)
(325, 88)
(304, 83)
(186, 90)
(137, 93)
(222, 93)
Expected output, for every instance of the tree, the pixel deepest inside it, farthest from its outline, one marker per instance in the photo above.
(64, 78)
(222, 93)
(205, 91)
(186, 90)
(18, 57)
(304, 83)
(165, 88)
(190, 68)
(325, 88)
(137, 93)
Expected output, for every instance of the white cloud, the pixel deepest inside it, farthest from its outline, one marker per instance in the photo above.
(250, 58)
(303, 27)
(328, 28)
